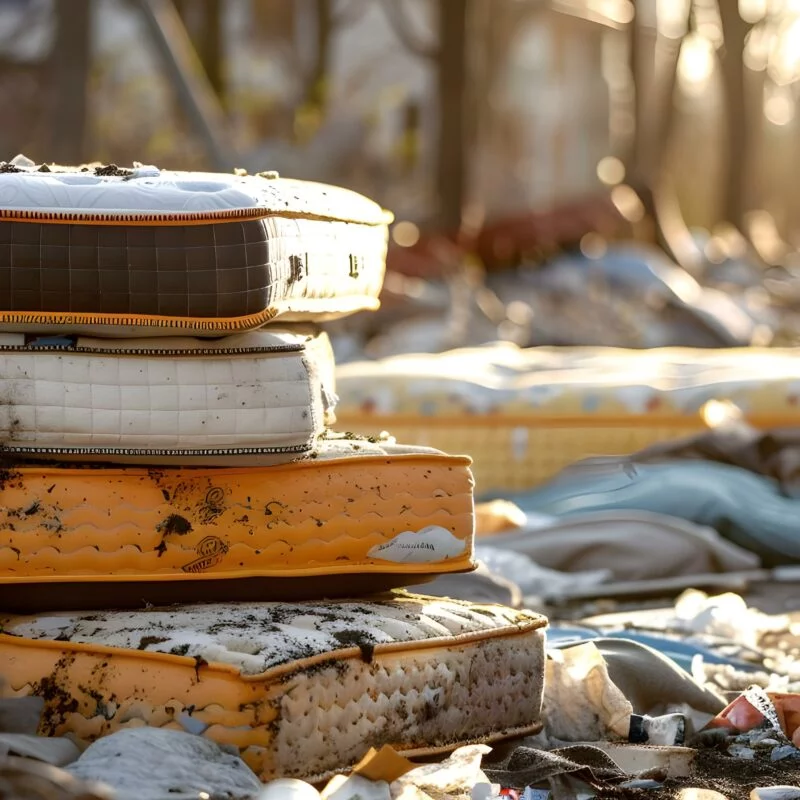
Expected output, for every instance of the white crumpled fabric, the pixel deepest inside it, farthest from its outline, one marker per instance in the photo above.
(581, 702)
(153, 763)
(532, 578)
(452, 779)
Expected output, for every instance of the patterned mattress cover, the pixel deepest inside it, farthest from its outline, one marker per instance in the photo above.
(256, 398)
(501, 380)
(353, 509)
(105, 251)
(301, 689)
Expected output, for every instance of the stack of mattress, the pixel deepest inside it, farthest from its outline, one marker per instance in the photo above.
(165, 403)
(525, 414)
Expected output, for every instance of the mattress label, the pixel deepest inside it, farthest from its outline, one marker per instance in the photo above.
(210, 551)
(426, 546)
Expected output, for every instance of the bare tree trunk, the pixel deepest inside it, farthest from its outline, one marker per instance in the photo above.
(71, 61)
(199, 101)
(735, 31)
(318, 80)
(654, 184)
(204, 21)
(634, 156)
(452, 75)
(210, 46)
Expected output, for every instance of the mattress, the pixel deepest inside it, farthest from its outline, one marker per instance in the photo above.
(256, 398)
(353, 514)
(525, 414)
(115, 252)
(303, 690)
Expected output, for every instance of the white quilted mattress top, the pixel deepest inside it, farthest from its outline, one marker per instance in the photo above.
(257, 636)
(149, 190)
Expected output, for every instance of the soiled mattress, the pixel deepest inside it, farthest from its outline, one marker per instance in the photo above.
(255, 398)
(524, 414)
(354, 514)
(114, 252)
(301, 689)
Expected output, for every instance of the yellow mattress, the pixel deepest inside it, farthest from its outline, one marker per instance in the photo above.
(302, 690)
(379, 514)
(524, 414)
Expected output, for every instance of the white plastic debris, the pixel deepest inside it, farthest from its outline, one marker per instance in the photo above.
(452, 778)
(355, 787)
(21, 160)
(485, 791)
(783, 752)
(775, 793)
(741, 751)
(726, 616)
(145, 170)
(288, 789)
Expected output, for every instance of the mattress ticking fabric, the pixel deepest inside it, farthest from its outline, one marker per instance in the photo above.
(117, 252)
(302, 689)
(353, 515)
(256, 398)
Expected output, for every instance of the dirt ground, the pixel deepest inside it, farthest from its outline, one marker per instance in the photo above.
(734, 778)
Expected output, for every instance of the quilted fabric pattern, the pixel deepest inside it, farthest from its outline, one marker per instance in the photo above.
(182, 253)
(258, 395)
(257, 638)
(421, 674)
(147, 192)
(402, 513)
(197, 280)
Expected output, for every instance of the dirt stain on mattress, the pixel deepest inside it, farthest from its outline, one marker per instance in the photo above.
(59, 701)
(146, 641)
(173, 524)
(7, 472)
(354, 638)
(113, 170)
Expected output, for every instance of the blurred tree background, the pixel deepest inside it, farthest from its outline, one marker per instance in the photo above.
(450, 112)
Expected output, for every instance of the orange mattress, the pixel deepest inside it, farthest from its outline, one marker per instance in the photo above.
(302, 689)
(379, 514)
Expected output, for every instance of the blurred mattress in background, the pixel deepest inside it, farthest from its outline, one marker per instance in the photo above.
(525, 414)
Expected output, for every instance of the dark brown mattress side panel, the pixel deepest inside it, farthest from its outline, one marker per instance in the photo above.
(214, 270)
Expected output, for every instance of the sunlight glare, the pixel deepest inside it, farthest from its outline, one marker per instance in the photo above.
(405, 234)
(672, 16)
(696, 63)
(779, 109)
(610, 170)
